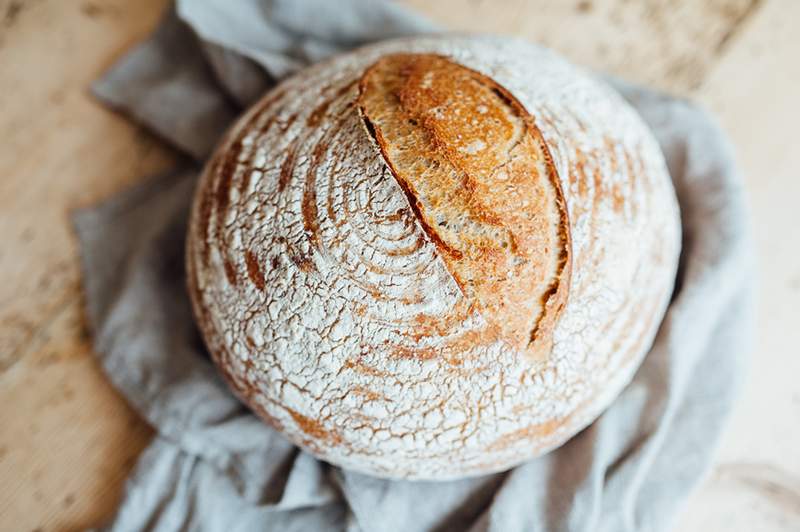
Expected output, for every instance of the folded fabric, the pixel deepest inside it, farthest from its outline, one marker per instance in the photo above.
(214, 466)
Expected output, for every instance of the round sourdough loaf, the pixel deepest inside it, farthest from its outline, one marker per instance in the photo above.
(433, 257)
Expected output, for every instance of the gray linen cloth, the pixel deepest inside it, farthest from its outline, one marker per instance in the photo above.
(214, 466)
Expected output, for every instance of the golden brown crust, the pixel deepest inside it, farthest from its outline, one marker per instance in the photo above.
(483, 185)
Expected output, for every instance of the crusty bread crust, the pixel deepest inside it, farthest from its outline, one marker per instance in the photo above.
(341, 311)
(483, 186)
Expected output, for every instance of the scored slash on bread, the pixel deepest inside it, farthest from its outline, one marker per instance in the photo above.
(481, 181)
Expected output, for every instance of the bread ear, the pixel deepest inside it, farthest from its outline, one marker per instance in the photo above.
(483, 186)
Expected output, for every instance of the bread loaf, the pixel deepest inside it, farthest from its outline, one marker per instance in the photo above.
(433, 257)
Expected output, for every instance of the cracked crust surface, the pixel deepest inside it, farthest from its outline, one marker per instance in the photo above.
(340, 310)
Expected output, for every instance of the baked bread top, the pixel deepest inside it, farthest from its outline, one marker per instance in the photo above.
(433, 257)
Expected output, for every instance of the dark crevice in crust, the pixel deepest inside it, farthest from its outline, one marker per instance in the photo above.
(413, 200)
(558, 291)
(287, 167)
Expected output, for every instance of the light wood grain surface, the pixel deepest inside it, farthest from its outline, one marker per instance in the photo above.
(68, 440)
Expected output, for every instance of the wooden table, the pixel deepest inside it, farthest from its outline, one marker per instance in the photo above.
(68, 440)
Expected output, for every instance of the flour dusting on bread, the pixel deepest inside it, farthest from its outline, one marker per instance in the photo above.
(433, 257)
